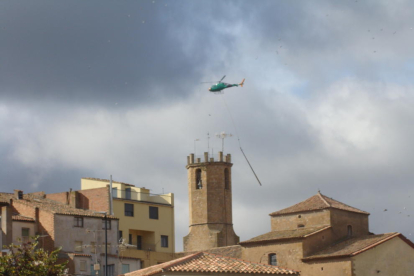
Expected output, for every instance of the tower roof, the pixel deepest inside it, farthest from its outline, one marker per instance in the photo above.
(317, 202)
(355, 246)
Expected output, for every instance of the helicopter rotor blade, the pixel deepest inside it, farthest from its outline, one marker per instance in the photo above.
(222, 78)
(208, 82)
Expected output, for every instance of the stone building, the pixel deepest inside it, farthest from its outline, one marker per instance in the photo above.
(210, 195)
(146, 221)
(79, 232)
(318, 236)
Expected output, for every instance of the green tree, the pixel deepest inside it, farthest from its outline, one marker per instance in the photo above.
(26, 259)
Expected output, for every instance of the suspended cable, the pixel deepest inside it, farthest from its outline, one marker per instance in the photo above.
(238, 139)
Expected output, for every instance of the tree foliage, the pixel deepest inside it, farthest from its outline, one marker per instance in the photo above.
(26, 259)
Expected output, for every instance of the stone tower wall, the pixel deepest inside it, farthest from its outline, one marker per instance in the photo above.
(211, 221)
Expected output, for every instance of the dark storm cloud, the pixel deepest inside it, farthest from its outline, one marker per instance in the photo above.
(322, 113)
(92, 52)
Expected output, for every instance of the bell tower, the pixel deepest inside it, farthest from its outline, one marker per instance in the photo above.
(209, 190)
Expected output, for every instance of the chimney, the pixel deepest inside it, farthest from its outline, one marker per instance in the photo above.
(18, 194)
(73, 199)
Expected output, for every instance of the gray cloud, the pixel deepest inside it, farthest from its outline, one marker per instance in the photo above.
(88, 90)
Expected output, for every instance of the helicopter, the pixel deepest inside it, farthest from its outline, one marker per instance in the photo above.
(216, 88)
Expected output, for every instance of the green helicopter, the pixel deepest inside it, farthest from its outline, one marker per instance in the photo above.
(219, 86)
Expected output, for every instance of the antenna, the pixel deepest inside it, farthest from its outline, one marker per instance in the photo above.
(223, 135)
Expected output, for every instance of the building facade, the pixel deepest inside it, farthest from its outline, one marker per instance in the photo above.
(146, 221)
(210, 203)
(79, 233)
(318, 236)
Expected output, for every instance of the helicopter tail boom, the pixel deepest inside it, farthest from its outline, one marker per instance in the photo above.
(241, 84)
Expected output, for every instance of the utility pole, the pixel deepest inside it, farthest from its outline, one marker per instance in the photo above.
(106, 245)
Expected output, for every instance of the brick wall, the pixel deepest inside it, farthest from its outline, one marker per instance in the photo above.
(59, 197)
(93, 199)
(23, 209)
(46, 230)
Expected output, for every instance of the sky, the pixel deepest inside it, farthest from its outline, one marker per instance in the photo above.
(98, 88)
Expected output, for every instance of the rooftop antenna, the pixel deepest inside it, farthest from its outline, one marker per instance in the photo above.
(223, 135)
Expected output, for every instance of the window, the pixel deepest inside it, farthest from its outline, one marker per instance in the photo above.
(127, 193)
(120, 235)
(78, 222)
(164, 241)
(129, 210)
(130, 238)
(82, 265)
(199, 182)
(78, 246)
(93, 271)
(125, 268)
(110, 271)
(301, 225)
(114, 192)
(153, 212)
(139, 242)
(226, 179)
(272, 259)
(349, 231)
(25, 235)
(108, 224)
(299, 216)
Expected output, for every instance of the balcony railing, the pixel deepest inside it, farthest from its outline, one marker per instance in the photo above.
(138, 196)
(144, 247)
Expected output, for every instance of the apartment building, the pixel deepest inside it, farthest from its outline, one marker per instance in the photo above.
(146, 221)
(79, 233)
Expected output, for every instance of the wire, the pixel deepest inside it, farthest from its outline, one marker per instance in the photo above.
(238, 139)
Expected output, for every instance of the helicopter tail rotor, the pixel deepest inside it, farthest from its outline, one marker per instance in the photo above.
(241, 84)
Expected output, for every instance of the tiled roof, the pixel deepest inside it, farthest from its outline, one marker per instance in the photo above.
(5, 197)
(22, 218)
(317, 202)
(233, 251)
(53, 206)
(352, 247)
(286, 234)
(203, 262)
(79, 255)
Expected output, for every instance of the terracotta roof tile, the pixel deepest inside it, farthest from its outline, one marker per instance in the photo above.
(233, 251)
(286, 234)
(317, 202)
(5, 197)
(22, 218)
(352, 247)
(53, 206)
(79, 255)
(203, 262)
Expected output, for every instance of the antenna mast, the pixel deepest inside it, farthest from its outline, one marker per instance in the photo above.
(223, 135)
